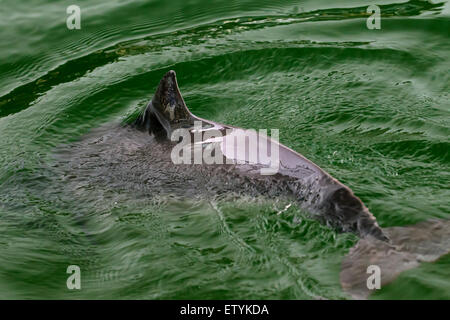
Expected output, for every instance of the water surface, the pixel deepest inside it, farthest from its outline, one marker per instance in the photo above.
(371, 107)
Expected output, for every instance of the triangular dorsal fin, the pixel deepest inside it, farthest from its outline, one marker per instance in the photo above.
(167, 110)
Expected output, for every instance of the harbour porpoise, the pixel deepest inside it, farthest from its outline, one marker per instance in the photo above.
(169, 150)
(316, 191)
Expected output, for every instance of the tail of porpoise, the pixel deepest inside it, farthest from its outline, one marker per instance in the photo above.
(392, 250)
(426, 241)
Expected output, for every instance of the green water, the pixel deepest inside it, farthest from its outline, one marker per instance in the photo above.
(371, 107)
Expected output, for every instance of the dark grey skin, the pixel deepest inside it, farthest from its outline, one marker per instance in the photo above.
(314, 189)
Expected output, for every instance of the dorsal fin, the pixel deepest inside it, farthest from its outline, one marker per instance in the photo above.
(167, 110)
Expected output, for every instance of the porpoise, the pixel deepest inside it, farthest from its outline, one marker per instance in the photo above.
(169, 150)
